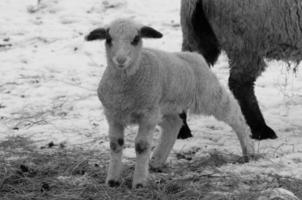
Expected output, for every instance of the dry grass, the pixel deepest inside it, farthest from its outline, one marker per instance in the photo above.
(54, 172)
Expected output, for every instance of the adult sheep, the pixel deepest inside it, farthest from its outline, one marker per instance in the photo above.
(148, 87)
(248, 31)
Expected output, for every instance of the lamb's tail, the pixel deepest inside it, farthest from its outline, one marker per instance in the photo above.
(198, 34)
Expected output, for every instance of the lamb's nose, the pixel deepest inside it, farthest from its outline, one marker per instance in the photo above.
(121, 60)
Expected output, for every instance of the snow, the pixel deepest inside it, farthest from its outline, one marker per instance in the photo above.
(50, 74)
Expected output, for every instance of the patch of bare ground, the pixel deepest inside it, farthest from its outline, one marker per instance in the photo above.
(55, 172)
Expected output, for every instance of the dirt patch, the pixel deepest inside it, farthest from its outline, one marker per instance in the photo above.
(55, 172)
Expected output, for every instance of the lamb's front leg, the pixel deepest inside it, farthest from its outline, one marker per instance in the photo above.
(143, 143)
(116, 136)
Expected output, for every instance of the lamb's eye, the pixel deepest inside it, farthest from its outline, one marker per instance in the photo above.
(109, 41)
(136, 40)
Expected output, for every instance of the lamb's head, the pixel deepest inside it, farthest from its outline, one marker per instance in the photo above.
(123, 41)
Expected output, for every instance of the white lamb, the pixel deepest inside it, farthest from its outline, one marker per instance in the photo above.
(150, 87)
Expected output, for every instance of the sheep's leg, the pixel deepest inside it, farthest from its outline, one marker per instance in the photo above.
(185, 131)
(218, 102)
(143, 143)
(241, 83)
(170, 127)
(116, 137)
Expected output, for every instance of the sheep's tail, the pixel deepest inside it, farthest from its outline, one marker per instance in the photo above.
(198, 34)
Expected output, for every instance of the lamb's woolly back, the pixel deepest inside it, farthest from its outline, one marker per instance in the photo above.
(171, 81)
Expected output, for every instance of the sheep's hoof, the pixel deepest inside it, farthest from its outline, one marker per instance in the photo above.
(184, 132)
(113, 183)
(263, 133)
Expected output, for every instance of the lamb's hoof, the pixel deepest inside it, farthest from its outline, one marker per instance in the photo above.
(263, 133)
(156, 169)
(138, 186)
(156, 166)
(184, 132)
(246, 159)
(113, 183)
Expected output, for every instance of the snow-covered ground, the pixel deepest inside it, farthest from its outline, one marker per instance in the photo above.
(49, 76)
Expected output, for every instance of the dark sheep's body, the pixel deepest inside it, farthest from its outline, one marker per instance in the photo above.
(248, 31)
(270, 28)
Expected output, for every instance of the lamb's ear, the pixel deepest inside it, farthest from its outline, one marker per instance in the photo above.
(148, 32)
(97, 34)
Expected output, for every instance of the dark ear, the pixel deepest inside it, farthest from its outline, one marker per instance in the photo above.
(148, 32)
(97, 34)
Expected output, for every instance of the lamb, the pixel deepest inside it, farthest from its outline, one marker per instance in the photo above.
(150, 87)
(248, 31)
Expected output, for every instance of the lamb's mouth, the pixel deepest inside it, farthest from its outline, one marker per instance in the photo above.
(121, 66)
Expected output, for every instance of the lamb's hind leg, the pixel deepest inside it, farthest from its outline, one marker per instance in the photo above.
(244, 72)
(220, 103)
(170, 125)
